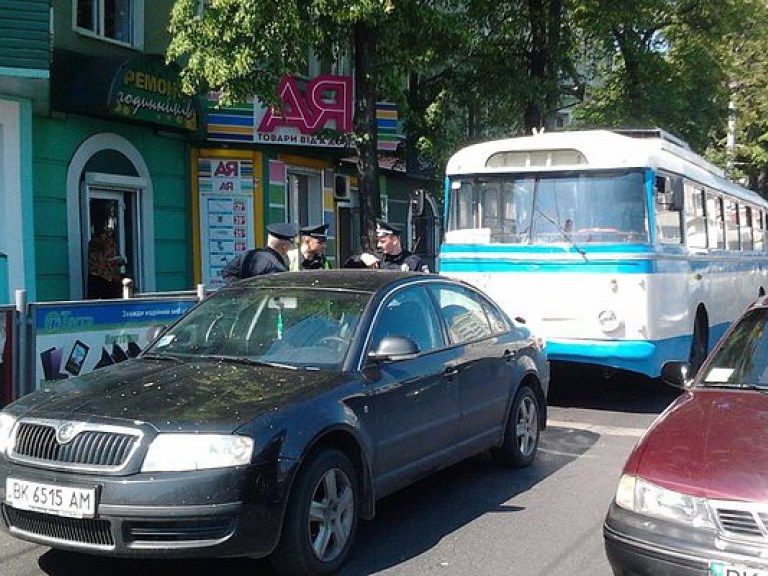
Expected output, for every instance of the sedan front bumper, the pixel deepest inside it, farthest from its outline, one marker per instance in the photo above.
(220, 512)
(638, 545)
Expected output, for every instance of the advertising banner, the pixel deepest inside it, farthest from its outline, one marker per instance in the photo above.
(77, 337)
(226, 188)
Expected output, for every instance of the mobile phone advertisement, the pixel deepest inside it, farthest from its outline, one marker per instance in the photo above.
(78, 337)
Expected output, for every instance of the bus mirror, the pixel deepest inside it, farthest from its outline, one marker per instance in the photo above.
(417, 202)
(677, 194)
(677, 199)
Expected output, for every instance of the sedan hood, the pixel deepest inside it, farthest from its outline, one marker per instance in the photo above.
(177, 395)
(709, 443)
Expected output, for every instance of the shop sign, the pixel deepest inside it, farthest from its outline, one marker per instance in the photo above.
(306, 117)
(146, 89)
(226, 188)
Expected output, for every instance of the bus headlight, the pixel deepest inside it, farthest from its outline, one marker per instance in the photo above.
(609, 321)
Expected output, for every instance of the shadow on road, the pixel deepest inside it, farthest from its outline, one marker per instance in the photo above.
(408, 523)
(591, 387)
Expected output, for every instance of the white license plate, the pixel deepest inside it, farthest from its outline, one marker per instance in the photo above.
(51, 498)
(719, 569)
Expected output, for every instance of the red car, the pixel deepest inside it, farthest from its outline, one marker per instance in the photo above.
(693, 495)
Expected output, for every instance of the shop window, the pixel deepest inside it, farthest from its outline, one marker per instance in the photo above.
(305, 197)
(114, 20)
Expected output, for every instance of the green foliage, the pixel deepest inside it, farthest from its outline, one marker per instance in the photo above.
(466, 70)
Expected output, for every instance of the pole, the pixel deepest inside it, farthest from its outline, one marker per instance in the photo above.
(22, 355)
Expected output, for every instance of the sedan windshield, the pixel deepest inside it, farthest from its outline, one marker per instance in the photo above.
(296, 328)
(742, 360)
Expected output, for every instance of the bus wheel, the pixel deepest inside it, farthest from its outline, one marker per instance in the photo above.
(699, 341)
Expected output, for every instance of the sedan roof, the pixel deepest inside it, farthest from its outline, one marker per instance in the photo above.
(349, 279)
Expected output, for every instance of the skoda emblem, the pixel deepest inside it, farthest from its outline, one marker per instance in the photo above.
(65, 432)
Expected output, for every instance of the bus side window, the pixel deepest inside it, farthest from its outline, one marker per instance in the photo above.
(695, 217)
(668, 216)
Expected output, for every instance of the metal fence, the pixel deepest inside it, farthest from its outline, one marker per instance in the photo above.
(43, 343)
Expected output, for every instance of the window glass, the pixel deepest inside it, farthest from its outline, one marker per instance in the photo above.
(409, 313)
(745, 228)
(301, 328)
(112, 19)
(590, 209)
(758, 230)
(550, 209)
(498, 324)
(695, 223)
(715, 221)
(464, 314)
(731, 225)
(743, 357)
(668, 220)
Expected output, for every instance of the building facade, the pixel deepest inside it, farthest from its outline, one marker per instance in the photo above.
(96, 139)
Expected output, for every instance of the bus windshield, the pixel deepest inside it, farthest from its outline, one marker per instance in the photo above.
(605, 207)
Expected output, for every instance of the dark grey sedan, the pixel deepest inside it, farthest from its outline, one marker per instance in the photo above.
(270, 418)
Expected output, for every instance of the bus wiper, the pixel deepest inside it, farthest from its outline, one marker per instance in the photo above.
(563, 232)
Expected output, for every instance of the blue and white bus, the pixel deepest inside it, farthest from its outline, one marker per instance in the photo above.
(623, 249)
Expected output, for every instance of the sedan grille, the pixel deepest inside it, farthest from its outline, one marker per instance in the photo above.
(89, 448)
(743, 522)
(84, 531)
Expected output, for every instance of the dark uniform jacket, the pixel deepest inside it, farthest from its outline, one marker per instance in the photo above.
(316, 263)
(254, 262)
(404, 261)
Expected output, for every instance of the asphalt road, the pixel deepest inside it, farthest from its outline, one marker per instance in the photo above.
(474, 519)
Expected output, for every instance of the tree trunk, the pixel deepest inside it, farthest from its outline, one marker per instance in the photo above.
(366, 132)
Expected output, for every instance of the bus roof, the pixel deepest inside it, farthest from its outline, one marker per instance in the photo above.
(593, 149)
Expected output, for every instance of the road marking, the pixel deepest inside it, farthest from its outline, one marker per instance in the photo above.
(598, 428)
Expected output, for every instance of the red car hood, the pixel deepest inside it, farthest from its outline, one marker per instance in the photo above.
(709, 443)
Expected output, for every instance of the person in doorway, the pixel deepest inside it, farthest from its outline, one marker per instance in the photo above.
(310, 255)
(104, 266)
(268, 260)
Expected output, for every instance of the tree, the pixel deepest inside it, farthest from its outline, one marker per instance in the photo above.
(242, 48)
(742, 145)
(503, 70)
(660, 63)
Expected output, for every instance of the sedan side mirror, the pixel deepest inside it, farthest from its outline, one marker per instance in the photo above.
(678, 374)
(394, 348)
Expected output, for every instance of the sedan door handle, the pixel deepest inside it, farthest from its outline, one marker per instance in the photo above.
(451, 371)
(510, 355)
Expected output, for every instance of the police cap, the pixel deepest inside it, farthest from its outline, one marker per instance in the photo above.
(318, 232)
(284, 230)
(386, 228)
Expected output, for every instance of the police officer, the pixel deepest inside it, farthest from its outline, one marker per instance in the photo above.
(310, 255)
(389, 241)
(272, 258)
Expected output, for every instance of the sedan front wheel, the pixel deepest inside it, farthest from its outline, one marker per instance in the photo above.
(321, 517)
(521, 437)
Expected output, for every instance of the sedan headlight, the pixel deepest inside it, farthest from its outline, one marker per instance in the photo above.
(182, 452)
(6, 425)
(646, 498)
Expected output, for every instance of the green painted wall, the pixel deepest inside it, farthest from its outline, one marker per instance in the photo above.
(25, 40)
(55, 142)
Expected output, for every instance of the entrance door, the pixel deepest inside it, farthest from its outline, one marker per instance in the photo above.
(109, 238)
